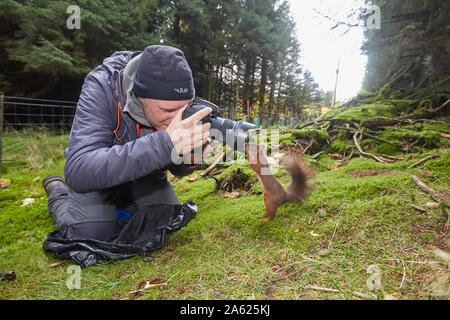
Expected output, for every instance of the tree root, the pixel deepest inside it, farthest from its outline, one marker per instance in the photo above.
(438, 196)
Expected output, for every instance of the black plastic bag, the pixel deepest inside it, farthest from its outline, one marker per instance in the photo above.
(143, 233)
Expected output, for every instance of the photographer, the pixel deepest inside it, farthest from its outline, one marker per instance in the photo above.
(127, 127)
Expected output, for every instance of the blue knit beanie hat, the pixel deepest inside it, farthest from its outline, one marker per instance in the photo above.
(164, 74)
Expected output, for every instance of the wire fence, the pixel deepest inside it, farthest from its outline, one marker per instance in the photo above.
(22, 112)
(58, 115)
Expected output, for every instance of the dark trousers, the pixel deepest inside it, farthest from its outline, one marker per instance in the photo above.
(93, 215)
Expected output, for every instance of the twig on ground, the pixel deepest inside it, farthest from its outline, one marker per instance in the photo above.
(393, 157)
(420, 208)
(322, 289)
(404, 275)
(288, 276)
(311, 123)
(335, 228)
(443, 105)
(349, 156)
(433, 193)
(378, 158)
(362, 295)
(213, 165)
(368, 135)
(423, 160)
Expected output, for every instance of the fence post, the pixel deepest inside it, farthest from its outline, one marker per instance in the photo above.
(1, 129)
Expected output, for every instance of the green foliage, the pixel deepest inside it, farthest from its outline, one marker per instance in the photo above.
(39, 47)
(43, 58)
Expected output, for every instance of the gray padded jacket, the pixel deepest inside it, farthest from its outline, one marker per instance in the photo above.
(105, 149)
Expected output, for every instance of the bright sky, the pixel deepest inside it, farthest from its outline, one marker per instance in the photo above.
(321, 47)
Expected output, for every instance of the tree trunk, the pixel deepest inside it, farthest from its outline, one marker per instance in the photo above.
(272, 77)
(238, 76)
(280, 82)
(219, 90)
(262, 88)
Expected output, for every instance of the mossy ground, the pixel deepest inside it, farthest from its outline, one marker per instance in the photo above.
(228, 251)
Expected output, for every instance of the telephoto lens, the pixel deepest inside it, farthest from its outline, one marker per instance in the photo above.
(226, 131)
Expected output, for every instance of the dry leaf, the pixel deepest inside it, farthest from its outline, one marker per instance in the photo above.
(389, 297)
(59, 263)
(427, 174)
(181, 289)
(27, 201)
(192, 178)
(432, 205)
(312, 233)
(296, 230)
(448, 179)
(336, 156)
(122, 276)
(143, 285)
(407, 145)
(37, 179)
(231, 194)
(334, 168)
(4, 183)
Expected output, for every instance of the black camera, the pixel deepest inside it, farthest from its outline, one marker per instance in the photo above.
(226, 131)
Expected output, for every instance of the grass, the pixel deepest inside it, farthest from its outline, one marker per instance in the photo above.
(228, 251)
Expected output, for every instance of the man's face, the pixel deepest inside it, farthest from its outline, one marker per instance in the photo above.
(160, 113)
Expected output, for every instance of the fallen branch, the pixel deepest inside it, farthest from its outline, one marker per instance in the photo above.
(368, 135)
(423, 160)
(375, 123)
(378, 122)
(433, 193)
(311, 123)
(445, 136)
(394, 157)
(379, 159)
(442, 107)
(213, 165)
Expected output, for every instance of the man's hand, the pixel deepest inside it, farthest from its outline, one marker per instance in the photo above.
(188, 134)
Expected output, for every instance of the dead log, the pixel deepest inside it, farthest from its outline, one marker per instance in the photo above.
(378, 123)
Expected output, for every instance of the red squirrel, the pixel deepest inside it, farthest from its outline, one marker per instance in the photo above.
(274, 192)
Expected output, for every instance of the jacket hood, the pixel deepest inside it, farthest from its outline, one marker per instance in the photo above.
(118, 60)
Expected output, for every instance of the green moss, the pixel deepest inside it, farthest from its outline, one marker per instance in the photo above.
(361, 112)
(423, 136)
(386, 149)
(228, 251)
(320, 136)
(286, 139)
(338, 146)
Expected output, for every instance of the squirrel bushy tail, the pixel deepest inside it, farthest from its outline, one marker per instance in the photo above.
(274, 192)
(300, 173)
